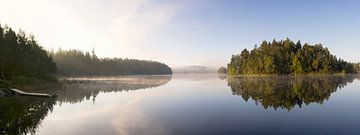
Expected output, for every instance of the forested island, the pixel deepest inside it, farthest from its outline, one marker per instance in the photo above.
(24, 62)
(286, 57)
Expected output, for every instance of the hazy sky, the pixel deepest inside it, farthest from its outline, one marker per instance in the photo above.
(185, 32)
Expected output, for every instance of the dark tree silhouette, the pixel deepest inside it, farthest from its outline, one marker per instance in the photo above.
(22, 60)
(76, 62)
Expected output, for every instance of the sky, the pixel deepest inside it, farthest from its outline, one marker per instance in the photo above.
(185, 32)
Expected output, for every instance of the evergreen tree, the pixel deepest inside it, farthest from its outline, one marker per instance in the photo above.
(284, 57)
(22, 59)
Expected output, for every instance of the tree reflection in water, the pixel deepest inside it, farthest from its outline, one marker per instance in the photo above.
(22, 114)
(88, 88)
(286, 92)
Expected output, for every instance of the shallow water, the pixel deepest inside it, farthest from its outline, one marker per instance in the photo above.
(189, 104)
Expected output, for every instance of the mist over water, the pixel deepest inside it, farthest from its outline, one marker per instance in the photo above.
(189, 104)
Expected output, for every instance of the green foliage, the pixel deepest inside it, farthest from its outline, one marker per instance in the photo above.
(286, 57)
(75, 62)
(20, 55)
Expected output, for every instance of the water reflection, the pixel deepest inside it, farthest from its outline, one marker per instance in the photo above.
(22, 115)
(87, 88)
(222, 76)
(288, 92)
(199, 77)
(190, 104)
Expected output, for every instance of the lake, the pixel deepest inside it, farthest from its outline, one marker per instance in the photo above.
(189, 104)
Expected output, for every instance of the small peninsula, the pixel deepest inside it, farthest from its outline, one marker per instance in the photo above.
(286, 57)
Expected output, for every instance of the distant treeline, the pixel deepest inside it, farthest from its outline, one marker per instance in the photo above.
(286, 57)
(23, 62)
(22, 59)
(76, 62)
(222, 70)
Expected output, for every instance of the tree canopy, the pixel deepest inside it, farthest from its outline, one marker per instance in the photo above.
(22, 57)
(76, 62)
(286, 57)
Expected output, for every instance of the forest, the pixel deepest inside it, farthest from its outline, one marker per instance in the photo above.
(286, 57)
(76, 62)
(22, 60)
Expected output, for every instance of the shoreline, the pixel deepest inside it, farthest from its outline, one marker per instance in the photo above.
(291, 75)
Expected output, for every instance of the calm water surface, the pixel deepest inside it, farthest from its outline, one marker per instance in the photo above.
(189, 104)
